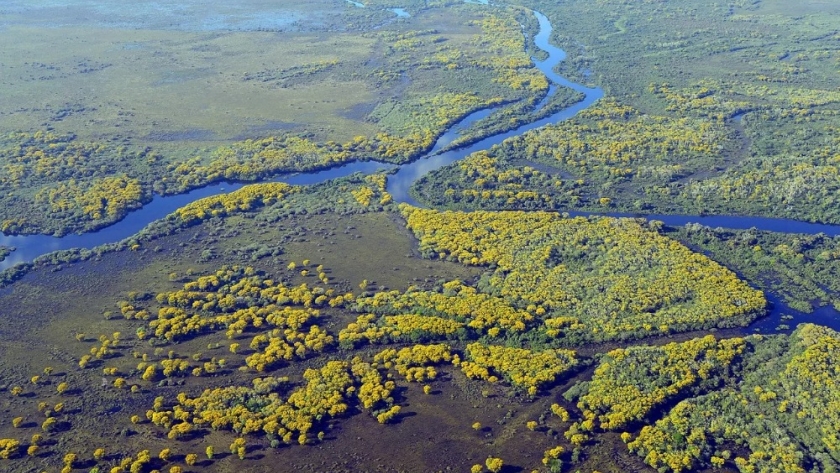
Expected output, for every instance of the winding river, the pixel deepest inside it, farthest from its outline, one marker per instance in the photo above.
(30, 247)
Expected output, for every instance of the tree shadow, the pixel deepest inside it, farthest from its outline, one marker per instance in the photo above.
(398, 419)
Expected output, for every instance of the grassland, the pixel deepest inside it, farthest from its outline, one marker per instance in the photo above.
(174, 107)
(327, 328)
(710, 109)
(131, 327)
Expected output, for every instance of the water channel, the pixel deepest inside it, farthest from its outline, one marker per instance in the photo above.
(29, 247)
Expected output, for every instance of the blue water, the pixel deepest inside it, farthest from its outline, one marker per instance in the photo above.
(826, 315)
(401, 13)
(30, 247)
(400, 183)
(733, 222)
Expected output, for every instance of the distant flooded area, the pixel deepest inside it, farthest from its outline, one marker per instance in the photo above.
(187, 15)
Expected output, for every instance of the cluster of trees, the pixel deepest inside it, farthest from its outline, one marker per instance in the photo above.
(800, 268)
(253, 159)
(235, 298)
(286, 344)
(107, 198)
(481, 312)
(232, 301)
(703, 99)
(520, 367)
(327, 393)
(432, 326)
(617, 277)
(374, 392)
(807, 388)
(779, 186)
(603, 146)
(244, 199)
(370, 328)
(721, 99)
(782, 415)
(696, 431)
(551, 458)
(9, 448)
(79, 182)
(631, 382)
(415, 363)
(612, 142)
(502, 40)
(791, 169)
(482, 181)
(365, 193)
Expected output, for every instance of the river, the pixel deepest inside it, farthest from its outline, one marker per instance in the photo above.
(29, 247)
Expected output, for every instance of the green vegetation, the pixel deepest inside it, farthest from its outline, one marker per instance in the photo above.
(632, 382)
(480, 181)
(393, 90)
(801, 268)
(730, 110)
(74, 180)
(598, 279)
(472, 309)
(520, 367)
(781, 413)
(608, 143)
(307, 324)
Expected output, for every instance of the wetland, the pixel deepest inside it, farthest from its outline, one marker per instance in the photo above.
(469, 250)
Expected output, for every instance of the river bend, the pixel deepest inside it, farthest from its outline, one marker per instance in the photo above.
(29, 247)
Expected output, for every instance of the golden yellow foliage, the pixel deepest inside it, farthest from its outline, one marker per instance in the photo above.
(9, 448)
(630, 382)
(616, 277)
(244, 199)
(415, 363)
(521, 367)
